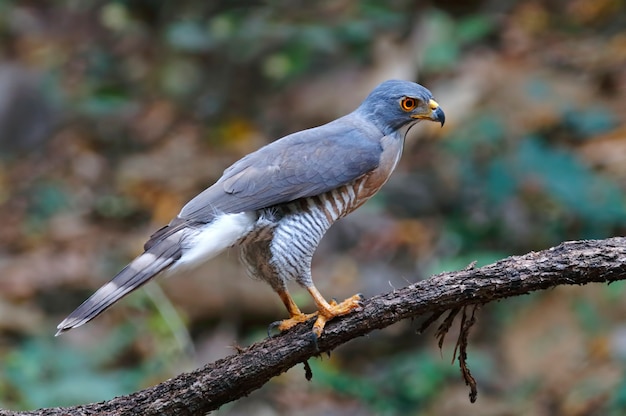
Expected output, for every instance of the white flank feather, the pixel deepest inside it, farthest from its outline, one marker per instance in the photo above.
(215, 237)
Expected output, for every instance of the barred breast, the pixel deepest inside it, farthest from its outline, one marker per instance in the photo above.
(282, 245)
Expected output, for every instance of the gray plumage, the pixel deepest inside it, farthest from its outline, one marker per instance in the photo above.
(277, 203)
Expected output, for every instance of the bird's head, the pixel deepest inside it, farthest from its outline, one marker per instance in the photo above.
(396, 104)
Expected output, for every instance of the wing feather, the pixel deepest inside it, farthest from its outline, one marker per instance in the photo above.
(300, 165)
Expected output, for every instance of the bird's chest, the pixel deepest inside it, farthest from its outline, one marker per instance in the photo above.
(341, 201)
(321, 211)
(369, 184)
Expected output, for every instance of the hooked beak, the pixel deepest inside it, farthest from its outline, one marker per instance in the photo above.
(439, 115)
(435, 113)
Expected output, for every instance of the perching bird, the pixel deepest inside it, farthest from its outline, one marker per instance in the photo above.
(277, 203)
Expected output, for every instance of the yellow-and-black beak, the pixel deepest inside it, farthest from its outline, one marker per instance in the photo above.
(437, 113)
(434, 113)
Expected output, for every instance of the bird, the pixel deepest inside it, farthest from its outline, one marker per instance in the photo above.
(277, 203)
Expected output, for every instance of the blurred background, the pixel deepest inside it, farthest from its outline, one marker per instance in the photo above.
(114, 113)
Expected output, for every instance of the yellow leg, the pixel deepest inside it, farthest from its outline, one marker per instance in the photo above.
(295, 315)
(327, 311)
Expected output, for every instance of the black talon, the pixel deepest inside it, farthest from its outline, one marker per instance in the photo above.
(272, 327)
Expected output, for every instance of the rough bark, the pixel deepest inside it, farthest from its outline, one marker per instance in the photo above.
(206, 389)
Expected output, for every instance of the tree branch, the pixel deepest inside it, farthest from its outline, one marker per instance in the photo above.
(206, 389)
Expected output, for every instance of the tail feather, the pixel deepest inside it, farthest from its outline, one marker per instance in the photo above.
(180, 243)
(130, 278)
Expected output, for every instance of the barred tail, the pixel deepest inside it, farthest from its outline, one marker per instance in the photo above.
(181, 243)
(130, 278)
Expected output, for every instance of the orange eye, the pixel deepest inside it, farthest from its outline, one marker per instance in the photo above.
(408, 103)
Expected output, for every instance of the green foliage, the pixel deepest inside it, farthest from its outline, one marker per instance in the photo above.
(482, 134)
(191, 36)
(43, 372)
(448, 36)
(405, 383)
(589, 122)
(549, 182)
(589, 318)
(114, 206)
(617, 405)
(283, 47)
(47, 199)
(104, 101)
(614, 292)
(596, 199)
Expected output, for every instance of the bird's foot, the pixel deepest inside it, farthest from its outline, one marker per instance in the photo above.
(326, 313)
(286, 324)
